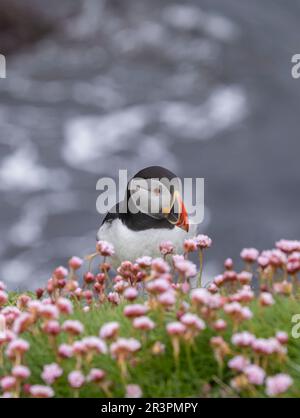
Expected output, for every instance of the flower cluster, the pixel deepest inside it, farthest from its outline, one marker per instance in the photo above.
(150, 311)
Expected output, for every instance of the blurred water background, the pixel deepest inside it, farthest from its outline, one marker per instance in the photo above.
(202, 87)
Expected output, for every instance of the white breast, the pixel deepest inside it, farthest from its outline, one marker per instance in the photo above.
(130, 245)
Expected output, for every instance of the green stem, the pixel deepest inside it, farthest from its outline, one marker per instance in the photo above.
(199, 280)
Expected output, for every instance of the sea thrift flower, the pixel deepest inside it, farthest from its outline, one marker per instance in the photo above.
(255, 374)
(144, 262)
(60, 272)
(96, 375)
(278, 384)
(16, 348)
(76, 379)
(193, 321)
(65, 351)
(160, 266)
(176, 330)
(3, 298)
(8, 383)
(132, 311)
(238, 363)
(167, 299)
(22, 323)
(166, 247)
(133, 391)
(2, 286)
(90, 277)
(200, 296)
(143, 323)
(51, 328)
(65, 306)
(95, 344)
(249, 254)
(282, 337)
(220, 325)
(228, 264)
(21, 372)
(203, 241)
(23, 301)
(283, 288)
(105, 248)
(288, 246)
(186, 268)
(124, 346)
(190, 245)
(109, 330)
(75, 263)
(49, 312)
(73, 327)
(266, 299)
(130, 293)
(245, 277)
(158, 286)
(243, 339)
(40, 391)
(51, 372)
(113, 297)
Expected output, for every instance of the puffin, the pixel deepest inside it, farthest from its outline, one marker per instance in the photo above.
(151, 212)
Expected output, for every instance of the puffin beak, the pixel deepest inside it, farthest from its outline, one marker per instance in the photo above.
(182, 220)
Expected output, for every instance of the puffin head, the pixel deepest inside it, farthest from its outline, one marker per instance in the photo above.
(156, 192)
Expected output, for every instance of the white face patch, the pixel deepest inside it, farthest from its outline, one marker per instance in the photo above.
(149, 196)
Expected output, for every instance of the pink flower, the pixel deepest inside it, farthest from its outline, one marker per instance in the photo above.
(243, 339)
(131, 293)
(186, 268)
(109, 330)
(203, 241)
(238, 363)
(133, 391)
(22, 323)
(65, 306)
(51, 372)
(113, 297)
(228, 264)
(73, 327)
(176, 328)
(95, 344)
(249, 254)
(49, 311)
(278, 384)
(8, 383)
(65, 351)
(96, 375)
(266, 299)
(75, 263)
(167, 299)
(76, 379)
(166, 247)
(2, 286)
(21, 372)
(79, 348)
(245, 277)
(17, 347)
(144, 262)
(220, 325)
(190, 245)
(131, 311)
(193, 321)
(282, 337)
(40, 391)
(51, 328)
(219, 280)
(200, 296)
(60, 272)
(143, 323)
(160, 266)
(124, 346)
(3, 298)
(288, 246)
(105, 248)
(255, 374)
(267, 346)
(158, 286)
